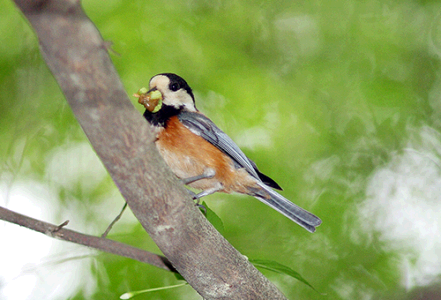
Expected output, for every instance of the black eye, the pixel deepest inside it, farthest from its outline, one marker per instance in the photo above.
(174, 86)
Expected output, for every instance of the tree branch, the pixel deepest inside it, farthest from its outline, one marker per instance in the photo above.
(78, 58)
(103, 244)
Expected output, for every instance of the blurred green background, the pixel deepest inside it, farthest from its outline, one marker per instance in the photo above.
(338, 101)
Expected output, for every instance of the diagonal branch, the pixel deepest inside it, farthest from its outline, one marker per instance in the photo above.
(103, 244)
(78, 58)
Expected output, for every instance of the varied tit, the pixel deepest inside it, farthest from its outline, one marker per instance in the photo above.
(202, 155)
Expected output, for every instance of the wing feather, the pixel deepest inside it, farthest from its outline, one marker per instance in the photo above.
(204, 127)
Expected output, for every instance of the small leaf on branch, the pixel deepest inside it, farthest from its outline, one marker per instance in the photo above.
(213, 218)
(279, 268)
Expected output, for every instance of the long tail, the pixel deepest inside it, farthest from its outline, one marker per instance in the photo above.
(302, 217)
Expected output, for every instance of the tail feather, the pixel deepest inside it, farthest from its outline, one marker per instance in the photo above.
(297, 214)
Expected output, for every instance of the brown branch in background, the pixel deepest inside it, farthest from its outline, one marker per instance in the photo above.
(77, 56)
(102, 244)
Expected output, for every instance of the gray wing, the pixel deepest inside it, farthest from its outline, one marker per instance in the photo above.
(204, 127)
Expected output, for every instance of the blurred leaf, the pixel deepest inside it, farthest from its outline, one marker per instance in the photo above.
(279, 268)
(213, 218)
(130, 295)
(178, 276)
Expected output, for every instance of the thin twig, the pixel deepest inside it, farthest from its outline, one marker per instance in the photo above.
(103, 244)
(104, 235)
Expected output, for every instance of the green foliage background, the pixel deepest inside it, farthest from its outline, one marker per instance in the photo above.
(322, 95)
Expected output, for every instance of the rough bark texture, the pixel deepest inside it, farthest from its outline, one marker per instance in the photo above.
(78, 58)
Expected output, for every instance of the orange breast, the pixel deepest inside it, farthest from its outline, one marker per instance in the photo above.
(188, 155)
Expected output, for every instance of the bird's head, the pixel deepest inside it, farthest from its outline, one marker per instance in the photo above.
(167, 90)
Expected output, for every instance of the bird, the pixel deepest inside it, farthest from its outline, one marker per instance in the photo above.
(202, 155)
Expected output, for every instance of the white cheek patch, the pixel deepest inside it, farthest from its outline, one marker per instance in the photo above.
(190, 107)
(177, 99)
